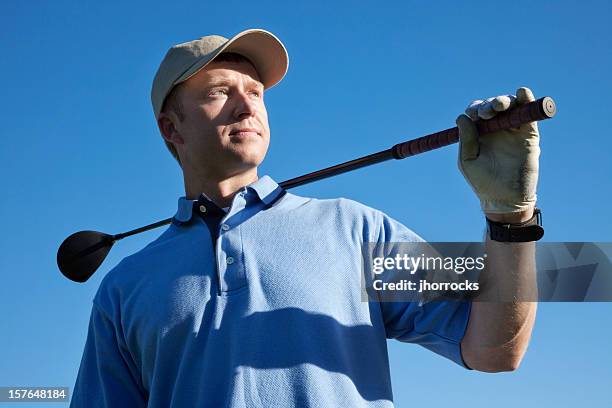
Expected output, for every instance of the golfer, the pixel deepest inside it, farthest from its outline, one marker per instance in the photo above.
(252, 296)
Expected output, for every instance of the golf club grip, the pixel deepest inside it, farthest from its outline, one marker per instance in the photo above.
(541, 109)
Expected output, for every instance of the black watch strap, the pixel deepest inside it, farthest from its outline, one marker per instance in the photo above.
(530, 230)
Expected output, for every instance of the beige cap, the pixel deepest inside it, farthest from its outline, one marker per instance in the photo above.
(261, 47)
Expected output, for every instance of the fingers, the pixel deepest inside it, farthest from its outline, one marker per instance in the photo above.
(524, 95)
(503, 102)
(468, 138)
(472, 109)
(488, 108)
(485, 109)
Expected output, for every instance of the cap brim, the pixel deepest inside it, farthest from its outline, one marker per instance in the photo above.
(261, 47)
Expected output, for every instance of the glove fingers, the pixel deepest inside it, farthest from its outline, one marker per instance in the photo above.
(485, 109)
(488, 108)
(524, 95)
(469, 147)
(503, 102)
(472, 109)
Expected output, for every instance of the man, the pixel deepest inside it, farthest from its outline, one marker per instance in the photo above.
(252, 296)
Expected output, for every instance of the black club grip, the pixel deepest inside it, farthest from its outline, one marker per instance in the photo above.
(541, 109)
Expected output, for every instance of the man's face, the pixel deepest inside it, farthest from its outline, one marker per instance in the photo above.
(225, 127)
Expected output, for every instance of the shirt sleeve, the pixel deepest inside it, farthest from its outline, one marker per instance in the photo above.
(106, 377)
(437, 325)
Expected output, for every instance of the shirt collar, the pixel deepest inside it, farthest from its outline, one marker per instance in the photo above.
(265, 189)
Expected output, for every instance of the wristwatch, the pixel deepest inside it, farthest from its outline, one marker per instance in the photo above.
(526, 231)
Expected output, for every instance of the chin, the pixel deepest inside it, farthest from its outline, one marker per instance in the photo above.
(252, 157)
(252, 162)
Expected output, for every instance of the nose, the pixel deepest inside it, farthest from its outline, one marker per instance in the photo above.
(245, 106)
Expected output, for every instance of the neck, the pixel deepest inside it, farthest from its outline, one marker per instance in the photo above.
(219, 188)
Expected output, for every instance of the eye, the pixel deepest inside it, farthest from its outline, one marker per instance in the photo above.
(218, 92)
(256, 93)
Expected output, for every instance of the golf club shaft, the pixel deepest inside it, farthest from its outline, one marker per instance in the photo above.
(117, 237)
(541, 109)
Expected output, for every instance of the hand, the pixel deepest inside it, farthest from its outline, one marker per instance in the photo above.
(501, 167)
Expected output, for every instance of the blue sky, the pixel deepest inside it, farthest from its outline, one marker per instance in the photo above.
(81, 151)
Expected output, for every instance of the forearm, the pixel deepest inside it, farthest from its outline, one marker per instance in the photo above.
(503, 171)
(502, 317)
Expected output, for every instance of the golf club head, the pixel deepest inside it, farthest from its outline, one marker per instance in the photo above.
(80, 255)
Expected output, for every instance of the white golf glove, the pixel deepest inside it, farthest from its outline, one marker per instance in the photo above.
(501, 167)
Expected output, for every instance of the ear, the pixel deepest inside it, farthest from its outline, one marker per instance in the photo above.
(167, 124)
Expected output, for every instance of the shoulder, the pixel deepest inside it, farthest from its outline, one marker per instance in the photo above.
(335, 207)
(375, 224)
(326, 204)
(131, 272)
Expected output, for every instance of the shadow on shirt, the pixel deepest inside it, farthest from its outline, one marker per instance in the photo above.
(288, 338)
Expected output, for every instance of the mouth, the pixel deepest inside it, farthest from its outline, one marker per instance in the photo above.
(245, 132)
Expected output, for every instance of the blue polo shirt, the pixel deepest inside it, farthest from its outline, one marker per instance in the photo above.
(259, 306)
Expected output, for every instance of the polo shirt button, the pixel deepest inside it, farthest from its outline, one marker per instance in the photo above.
(229, 260)
(224, 227)
(202, 209)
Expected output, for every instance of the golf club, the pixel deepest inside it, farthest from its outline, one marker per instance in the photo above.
(80, 255)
